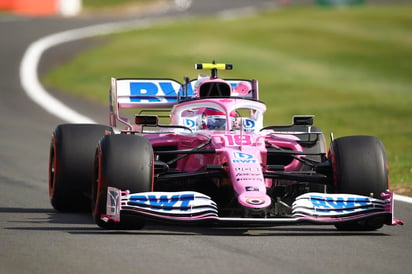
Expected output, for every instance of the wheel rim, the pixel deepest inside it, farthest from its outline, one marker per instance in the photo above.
(96, 187)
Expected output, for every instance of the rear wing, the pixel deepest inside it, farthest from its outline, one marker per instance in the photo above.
(135, 93)
(145, 93)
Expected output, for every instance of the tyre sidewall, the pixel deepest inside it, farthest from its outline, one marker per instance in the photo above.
(126, 163)
(359, 166)
(71, 165)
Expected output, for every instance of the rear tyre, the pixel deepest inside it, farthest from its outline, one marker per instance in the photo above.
(71, 165)
(124, 162)
(360, 167)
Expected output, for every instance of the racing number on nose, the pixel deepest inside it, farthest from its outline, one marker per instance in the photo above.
(238, 140)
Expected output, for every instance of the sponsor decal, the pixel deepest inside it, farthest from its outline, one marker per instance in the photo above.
(161, 90)
(246, 169)
(112, 205)
(190, 123)
(114, 197)
(164, 201)
(338, 203)
(251, 188)
(149, 91)
(247, 174)
(249, 179)
(242, 155)
(248, 124)
(243, 158)
(255, 201)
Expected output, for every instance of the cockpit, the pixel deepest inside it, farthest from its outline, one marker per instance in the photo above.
(219, 114)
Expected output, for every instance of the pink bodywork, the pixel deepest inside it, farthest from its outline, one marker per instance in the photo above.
(242, 152)
(241, 149)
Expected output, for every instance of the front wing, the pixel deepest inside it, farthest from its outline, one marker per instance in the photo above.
(194, 207)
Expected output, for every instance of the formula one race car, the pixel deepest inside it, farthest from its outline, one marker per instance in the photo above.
(214, 162)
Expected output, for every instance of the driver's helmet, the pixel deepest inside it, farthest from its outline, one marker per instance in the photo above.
(215, 119)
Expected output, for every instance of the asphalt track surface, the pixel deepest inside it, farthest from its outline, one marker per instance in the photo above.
(34, 238)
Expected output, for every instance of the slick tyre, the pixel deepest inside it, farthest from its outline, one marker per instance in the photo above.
(126, 163)
(360, 167)
(71, 165)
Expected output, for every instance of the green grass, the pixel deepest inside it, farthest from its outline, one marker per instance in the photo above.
(350, 67)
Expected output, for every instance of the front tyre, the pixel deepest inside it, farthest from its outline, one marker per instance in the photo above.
(360, 167)
(126, 163)
(71, 161)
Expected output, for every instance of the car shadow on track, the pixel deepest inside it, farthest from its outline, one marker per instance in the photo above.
(245, 232)
(45, 219)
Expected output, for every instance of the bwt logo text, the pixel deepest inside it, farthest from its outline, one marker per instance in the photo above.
(163, 202)
(243, 158)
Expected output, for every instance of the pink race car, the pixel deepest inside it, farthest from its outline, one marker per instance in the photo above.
(214, 162)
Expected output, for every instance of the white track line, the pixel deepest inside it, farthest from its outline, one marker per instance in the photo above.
(402, 198)
(29, 66)
(34, 89)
